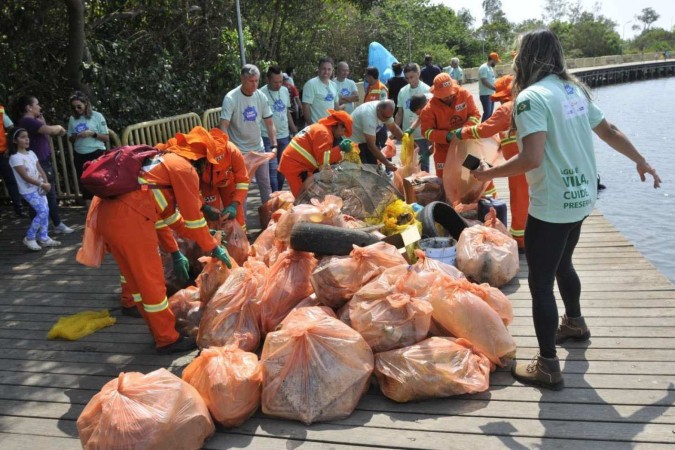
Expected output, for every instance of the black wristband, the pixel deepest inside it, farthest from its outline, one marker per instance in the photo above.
(95, 135)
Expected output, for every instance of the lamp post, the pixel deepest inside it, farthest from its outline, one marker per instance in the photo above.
(240, 33)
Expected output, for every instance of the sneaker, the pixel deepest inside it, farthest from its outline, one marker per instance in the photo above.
(49, 242)
(542, 372)
(62, 228)
(31, 244)
(182, 344)
(572, 328)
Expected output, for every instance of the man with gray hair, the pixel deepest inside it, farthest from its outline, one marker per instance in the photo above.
(369, 118)
(456, 72)
(245, 108)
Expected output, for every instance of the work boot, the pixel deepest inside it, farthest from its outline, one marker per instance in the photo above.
(542, 372)
(131, 312)
(572, 328)
(182, 344)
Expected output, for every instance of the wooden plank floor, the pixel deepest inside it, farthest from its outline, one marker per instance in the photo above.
(619, 392)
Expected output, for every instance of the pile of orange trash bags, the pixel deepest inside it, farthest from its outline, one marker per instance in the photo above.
(152, 411)
(325, 327)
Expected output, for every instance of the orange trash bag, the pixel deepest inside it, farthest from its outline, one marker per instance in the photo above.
(278, 200)
(152, 411)
(287, 285)
(253, 160)
(187, 309)
(267, 247)
(315, 368)
(93, 247)
(433, 265)
(212, 276)
(459, 185)
(337, 278)
(327, 212)
(393, 311)
(230, 382)
(487, 255)
(236, 240)
(462, 314)
(435, 367)
(230, 317)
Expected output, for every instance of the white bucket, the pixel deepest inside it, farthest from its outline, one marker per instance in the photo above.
(443, 249)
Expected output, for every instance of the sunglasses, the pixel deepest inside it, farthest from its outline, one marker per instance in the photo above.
(77, 107)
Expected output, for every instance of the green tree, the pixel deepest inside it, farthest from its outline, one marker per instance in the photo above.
(648, 17)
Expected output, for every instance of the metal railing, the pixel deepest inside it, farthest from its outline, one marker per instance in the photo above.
(158, 131)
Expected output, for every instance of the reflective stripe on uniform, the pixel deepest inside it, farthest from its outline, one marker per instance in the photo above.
(305, 154)
(492, 192)
(475, 120)
(427, 134)
(517, 233)
(474, 132)
(326, 158)
(160, 224)
(173, 218)
(159, 307)
(159, 195)
(507, 140)
(241, 186)
(122, 279)
(137, 297)
(195, 223)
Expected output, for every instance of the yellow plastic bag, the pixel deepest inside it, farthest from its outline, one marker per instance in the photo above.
(80, 325)
(407, 150)
(354, 155)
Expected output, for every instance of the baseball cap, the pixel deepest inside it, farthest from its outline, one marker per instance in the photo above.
(495, 56)
(444, 86)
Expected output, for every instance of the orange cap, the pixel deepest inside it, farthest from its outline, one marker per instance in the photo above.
(495, 56)
(444, 86)
(502, 89)
(198, 144)
(336, 117)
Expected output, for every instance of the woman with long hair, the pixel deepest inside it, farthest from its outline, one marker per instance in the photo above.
(88, 132)
(29, 113)
(555, 119)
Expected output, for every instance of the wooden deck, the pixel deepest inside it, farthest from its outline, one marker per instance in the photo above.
(619, 392)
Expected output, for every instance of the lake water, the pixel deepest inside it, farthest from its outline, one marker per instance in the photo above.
(644, 111)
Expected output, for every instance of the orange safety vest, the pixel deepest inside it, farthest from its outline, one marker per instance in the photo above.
(3, 132)
(374, 92)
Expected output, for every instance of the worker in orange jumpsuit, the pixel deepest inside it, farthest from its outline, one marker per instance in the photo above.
(224, 185)
(315, 146)
(127, 225)
(500, 123)
(451, 107)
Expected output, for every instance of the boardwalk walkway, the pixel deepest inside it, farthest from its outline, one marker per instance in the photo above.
(619, 393)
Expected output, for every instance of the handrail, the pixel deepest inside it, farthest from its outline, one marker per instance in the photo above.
(159, 130)
(211, 118)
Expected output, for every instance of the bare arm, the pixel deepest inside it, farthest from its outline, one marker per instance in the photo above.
(224, 125)
(529, 158)
(307, 112)
(398, 120)
(395, 130)
(372, 146)
(618, 141)
(271, 130)
(52, 130)
(291, 124)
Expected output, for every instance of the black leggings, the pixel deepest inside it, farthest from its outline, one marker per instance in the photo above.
(548, 249)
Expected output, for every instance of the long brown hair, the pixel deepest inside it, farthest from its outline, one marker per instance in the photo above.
(541, 54)
(82, 97)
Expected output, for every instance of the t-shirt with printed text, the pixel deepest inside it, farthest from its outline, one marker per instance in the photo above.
(404, 102)
(366, 122)
(346, 88)
(95, 123)
(279, 102)
(245, 114)
(321, 97)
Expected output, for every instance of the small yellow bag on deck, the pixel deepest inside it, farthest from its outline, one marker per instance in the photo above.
(80, 325)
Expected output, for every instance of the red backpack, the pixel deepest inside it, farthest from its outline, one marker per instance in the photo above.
(116, 172)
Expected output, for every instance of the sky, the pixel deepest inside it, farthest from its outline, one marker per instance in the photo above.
(622, 12)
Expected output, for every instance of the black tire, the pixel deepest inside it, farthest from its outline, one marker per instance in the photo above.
(445, 215)
(327, 239)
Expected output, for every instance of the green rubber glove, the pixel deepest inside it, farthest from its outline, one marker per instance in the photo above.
(181, 266)
(346, 145)
(449, 136)
(210, 212)
(220, 253)
(230, 212)
(458, 133)
(409, 131)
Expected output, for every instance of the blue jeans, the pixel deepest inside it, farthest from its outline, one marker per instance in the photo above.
(488, 106)
(424, 154)
(276, 178)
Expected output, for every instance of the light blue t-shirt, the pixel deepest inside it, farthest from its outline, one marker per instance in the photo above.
(404, 96)
(456, 74)
(346, 88)
(366, 122)
(279, 102)
(95, 123)
(7, 122)
(321, 97)
(246, 114)
(563, 188)
(485, 71)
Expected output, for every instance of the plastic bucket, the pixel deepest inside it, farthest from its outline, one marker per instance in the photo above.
(443, 249)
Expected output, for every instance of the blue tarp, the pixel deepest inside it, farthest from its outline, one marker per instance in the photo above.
(380, 57)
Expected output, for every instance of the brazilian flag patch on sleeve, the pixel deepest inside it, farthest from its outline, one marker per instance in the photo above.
(523, 106)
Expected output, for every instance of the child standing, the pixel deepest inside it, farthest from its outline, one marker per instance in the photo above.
(33, 187)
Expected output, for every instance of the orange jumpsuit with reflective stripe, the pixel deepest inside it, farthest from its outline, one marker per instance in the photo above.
(375, 92)
(500, 122)
(437, 119)
(310, 149)
(226, 182)
(127, 224)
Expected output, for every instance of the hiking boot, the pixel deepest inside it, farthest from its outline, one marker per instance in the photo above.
(49, 242)
(182, 344)
(572, 328)
(31, 244)
(131, 312)
(62, 228)
(542, 372)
